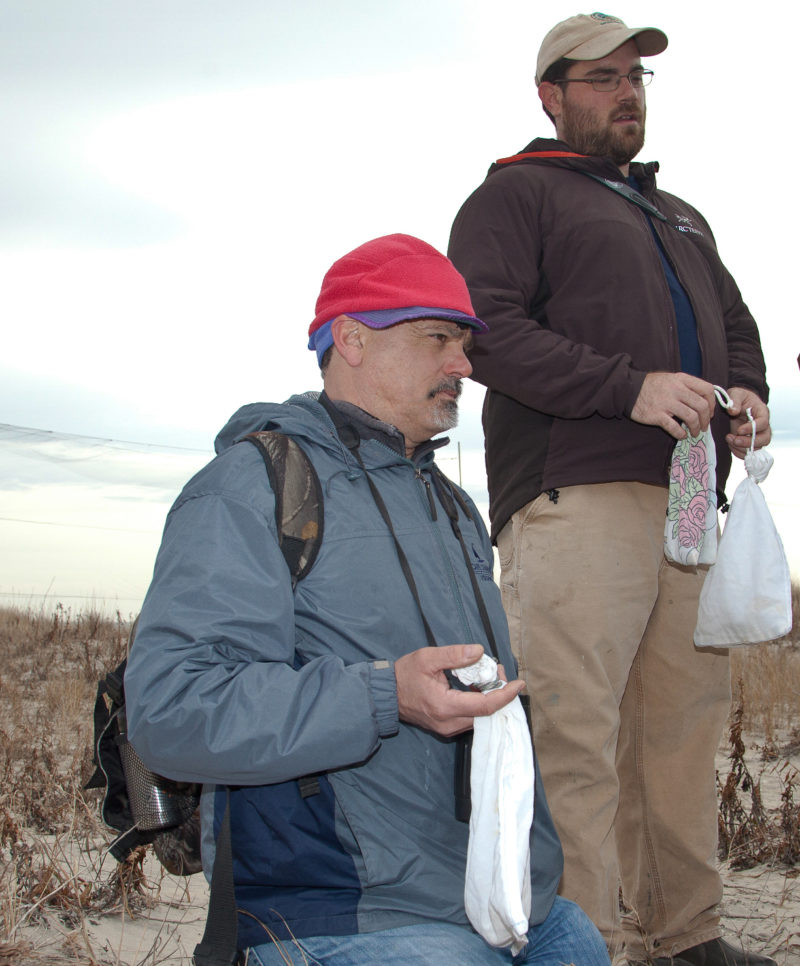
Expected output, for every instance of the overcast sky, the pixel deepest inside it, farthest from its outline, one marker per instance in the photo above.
(178, 175)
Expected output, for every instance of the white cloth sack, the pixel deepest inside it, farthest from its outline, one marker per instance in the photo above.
(497, 890)
(747, 595)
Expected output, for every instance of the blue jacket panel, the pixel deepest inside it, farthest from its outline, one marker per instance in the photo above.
(237, 681)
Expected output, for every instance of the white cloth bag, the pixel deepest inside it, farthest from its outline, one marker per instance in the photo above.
(747, 595)
(497, 889)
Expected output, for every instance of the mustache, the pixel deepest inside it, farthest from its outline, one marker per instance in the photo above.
(448, 385)
(633, 111)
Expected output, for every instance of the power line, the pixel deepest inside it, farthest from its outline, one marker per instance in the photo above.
(78, 526)
(9, 429)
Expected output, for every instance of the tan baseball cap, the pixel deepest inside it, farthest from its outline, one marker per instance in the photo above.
(590, 36)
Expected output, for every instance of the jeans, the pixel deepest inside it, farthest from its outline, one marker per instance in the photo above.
(567, 936)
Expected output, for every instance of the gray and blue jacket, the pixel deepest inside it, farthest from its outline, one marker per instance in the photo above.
(241, 683)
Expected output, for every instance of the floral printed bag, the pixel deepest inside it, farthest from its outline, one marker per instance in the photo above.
(690, 532)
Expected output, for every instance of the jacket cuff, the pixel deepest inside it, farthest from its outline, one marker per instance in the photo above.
(383, 686)
(760, 388)
(636, 382)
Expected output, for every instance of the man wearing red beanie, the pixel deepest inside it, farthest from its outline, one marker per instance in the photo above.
(320, 713)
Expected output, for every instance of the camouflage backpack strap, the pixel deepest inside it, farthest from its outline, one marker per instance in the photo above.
(298, 499)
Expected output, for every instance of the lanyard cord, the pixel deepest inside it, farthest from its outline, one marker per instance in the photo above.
(401, 556)
(446, 493)
(635, 197)
(447, 497)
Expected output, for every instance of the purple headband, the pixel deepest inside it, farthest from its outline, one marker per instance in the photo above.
(322, 338)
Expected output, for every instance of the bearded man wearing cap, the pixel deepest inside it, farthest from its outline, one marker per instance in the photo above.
(611, 319)
(245, 682)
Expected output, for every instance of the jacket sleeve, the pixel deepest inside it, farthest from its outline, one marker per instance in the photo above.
(495, 243)
(213, 688)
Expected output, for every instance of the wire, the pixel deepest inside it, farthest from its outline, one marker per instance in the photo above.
(32, 433)
(78, 526)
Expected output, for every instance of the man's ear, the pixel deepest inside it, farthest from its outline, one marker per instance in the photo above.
(551, 96)
(348, 338)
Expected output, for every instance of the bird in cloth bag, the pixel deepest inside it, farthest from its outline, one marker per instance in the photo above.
(497, 889)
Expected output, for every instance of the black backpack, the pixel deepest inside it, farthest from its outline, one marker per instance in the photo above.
(148, 808)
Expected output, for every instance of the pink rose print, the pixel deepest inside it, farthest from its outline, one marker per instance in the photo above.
(679, 475)
(691, 510)
(689, 533)
(698, 465)
(698, 509)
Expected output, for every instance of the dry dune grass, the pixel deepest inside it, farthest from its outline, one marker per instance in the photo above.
(55, 880)
(770, 679)
(63, 901)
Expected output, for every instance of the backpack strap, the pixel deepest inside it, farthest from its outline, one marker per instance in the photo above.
(218, 947)
(298, 499)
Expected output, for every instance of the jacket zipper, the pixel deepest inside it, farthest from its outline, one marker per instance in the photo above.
(428, 490)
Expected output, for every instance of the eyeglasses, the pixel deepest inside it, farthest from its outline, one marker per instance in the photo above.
(610, 82)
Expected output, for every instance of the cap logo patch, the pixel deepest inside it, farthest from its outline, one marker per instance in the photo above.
(605, 18)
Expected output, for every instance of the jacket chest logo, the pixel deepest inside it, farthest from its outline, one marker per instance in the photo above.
(684, 224)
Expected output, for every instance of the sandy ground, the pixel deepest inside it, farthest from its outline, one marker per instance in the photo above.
(163, 928)
(761, 906)
(167, 933)
(761, 909)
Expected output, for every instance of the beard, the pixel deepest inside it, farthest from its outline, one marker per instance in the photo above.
(445, 412)
(586, 132)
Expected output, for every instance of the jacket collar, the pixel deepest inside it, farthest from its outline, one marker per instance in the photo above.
(369, 427)
(553, 152)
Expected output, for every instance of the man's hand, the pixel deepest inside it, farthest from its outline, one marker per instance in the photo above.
(668, 399)
(741, 432)
(424, 695)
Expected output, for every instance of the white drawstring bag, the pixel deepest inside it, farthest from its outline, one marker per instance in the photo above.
(747, 595)
(497, 889)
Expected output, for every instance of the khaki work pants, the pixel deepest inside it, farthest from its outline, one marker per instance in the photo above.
(627, 714)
